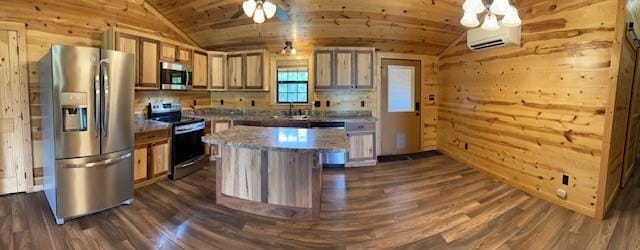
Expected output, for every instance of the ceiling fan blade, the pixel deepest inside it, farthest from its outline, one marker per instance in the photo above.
(237, 14)
(282, 14)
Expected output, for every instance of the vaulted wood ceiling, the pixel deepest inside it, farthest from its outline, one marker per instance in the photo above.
(411, 26)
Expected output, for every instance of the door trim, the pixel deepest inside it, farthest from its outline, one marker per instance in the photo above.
(25, 154)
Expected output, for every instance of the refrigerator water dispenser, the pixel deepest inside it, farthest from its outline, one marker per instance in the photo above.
(74, 112)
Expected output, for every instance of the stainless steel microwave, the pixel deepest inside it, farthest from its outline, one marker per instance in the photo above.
(175, 76)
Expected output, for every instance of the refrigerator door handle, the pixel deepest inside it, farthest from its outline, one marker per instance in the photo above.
(96, 100)
(105, 80)
(104, 163)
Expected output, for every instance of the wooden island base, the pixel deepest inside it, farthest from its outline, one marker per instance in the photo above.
(281, 184)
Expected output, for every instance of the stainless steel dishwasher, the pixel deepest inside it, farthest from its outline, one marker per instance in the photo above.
(331, 160)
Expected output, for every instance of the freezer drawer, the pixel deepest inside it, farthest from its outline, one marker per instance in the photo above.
(90, 184)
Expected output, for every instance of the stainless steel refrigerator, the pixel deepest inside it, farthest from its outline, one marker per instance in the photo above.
(87, 129)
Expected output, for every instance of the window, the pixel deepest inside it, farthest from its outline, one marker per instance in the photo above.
(400, 95)
(292, 85)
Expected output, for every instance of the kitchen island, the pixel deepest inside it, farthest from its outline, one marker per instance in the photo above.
(273, 171)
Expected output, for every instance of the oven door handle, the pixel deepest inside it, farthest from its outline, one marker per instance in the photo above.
(187, 130)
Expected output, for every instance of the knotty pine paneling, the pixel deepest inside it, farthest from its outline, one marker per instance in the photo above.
(186, 99)
(341, 100)
(78, 23)
(408, 26)
(530, 114)
(620, 95)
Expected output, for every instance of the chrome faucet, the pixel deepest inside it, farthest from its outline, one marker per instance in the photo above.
(290, 109)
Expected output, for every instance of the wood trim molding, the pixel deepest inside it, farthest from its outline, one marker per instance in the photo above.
(453, 44)
(27, 154)
(166, 21)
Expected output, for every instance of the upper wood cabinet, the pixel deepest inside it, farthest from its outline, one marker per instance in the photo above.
(168, 52)
(184, 55)
(234, 71)
(344, 68)
(149, 71)
(246, 70)
(200, 70)
(364, 69)
(216, 71)
(253, 71)
(129, 44)
(323, 69)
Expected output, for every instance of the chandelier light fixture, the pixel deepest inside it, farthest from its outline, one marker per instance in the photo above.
(260, 10)
(288, 49)
(472, 8)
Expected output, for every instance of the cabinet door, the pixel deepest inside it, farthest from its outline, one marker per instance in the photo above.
(168, 52)
(344, 69)
(253, 71)
(234, 71)
(200, 70)
(149, 55)
(129, 44)
(140, 164)
(362, 146)
(216, 70)
(323, 69)
(184, 55)
(161, 156)
(364, 69)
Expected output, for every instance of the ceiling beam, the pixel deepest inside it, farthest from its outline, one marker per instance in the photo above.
(166, 21)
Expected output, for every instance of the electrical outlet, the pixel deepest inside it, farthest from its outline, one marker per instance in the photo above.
(362, 104)
(221, 102)
(317, 104)
(432, 97)
(194, 102)
(328, 103)
(466, 146)
(253, 103)
(565, 180)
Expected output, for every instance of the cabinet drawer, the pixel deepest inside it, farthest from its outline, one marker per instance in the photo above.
(361, 126)
(149, 137)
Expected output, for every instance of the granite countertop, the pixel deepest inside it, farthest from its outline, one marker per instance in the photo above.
(236, 117)
(144, 125)
(287, 139)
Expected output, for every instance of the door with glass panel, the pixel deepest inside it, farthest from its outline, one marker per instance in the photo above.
(400, 117)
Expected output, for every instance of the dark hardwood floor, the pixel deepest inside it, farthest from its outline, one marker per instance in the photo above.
(430, 203)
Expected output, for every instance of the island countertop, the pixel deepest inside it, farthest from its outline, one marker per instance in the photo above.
(283, 139)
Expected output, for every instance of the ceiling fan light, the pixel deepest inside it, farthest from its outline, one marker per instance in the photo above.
(490, 23)
(269, 9)
(470, 20)
(293, 51)
(258, 16)
(249, 7)
(511, 19)
(473, 6)
(500, 7)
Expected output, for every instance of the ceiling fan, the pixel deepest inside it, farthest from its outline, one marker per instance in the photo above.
(261, 10)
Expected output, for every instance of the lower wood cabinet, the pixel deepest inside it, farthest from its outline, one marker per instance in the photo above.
(140, 170)
(362, 141)
(152, 157)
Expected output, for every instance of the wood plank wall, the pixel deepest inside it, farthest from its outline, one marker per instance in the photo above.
(529, 115)
(619, 107)
(76, 23)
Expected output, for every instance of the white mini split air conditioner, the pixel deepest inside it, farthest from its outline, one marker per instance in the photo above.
(479, 39)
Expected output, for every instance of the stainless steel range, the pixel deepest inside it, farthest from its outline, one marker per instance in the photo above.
(187, 148)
